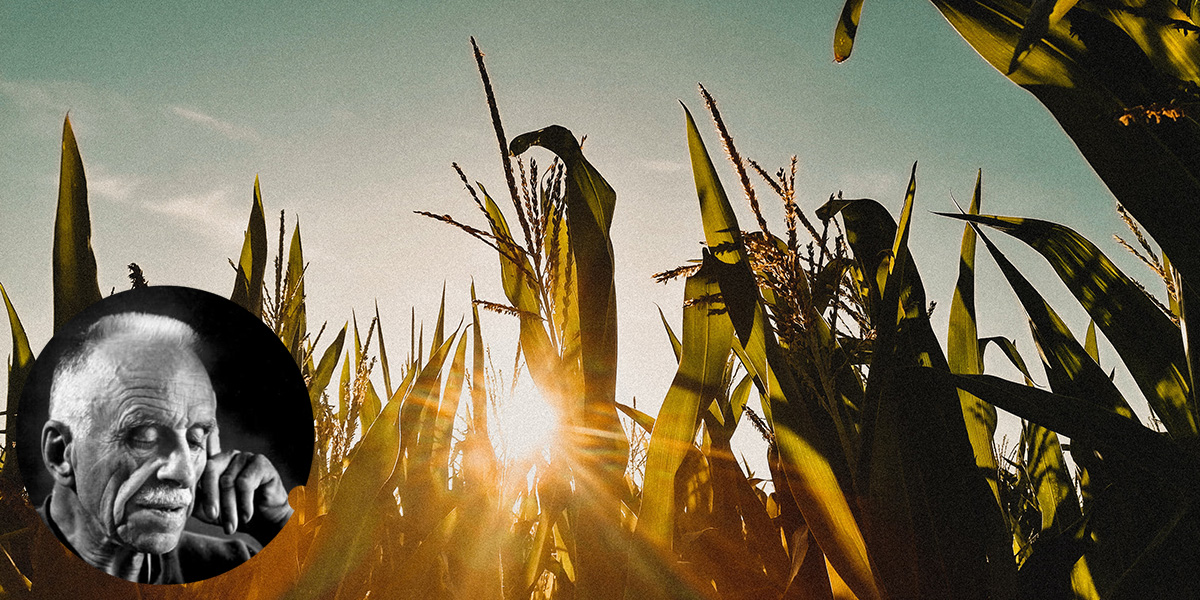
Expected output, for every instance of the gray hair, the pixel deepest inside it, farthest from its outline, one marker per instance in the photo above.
(70, 389)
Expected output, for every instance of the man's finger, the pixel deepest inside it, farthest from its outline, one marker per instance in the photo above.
(247, 482)
(228, 493)
(214, 441)
(208, 495)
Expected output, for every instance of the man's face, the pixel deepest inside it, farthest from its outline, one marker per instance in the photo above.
(137, 468)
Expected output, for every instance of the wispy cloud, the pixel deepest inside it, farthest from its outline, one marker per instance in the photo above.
(211, 212)
(41, 104)
(665, 166)
(113, 187)
(229, 130)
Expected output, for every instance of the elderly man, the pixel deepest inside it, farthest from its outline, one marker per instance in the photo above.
(133, 450)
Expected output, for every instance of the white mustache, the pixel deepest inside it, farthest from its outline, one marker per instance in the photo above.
(162, 496)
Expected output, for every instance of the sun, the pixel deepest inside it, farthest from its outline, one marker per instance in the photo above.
(527, 424)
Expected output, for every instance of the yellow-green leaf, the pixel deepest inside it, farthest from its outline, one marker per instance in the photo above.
(1147, 341)
(75, 283)
(707, 339)
(248, 284)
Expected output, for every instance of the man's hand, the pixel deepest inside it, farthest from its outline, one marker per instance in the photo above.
(241, 491)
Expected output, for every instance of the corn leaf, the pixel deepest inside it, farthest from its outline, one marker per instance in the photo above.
(1147, 341)
(295, 321)
(14, 584)
(1083, 419)
(642, 419)
(478, 380)
(846, 29)
(324, 372)
(1068, 367)
(1010, 350)
(590, 203)
(439, 331)
(443, 425)
(600, 446)
(383, 360)
(962, 350)
(676, 346)
(707, 339)
(344, 389)
(371, 404)
(337, 544)
(1144, 537)
(19, 366)
(420, 409)
(75, 282)
(251, 267)
(1051, 481)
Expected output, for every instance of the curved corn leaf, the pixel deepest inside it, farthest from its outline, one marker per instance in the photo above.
(871, 233)
(809, 456)
(555, 382)
(1147, 341)
(962, 350)
(75, 282)
(1010, 350)
(707, 339)
(590, 202)
(320, 377)
(20, 363)
(338, 545)
(248, 284)
(443, 425)
(383, 360)
(601, 449)
(642, 419)
(676, 346)
(1081, 419)
(295, 321)
(478, 379)
(1068, 367)
(847, 28)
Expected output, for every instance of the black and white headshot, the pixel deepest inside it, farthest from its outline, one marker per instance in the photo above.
(160, 433)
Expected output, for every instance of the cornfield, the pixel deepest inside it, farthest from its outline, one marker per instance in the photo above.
(885, 481)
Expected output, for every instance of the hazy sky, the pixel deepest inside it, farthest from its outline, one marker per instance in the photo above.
(352, 116)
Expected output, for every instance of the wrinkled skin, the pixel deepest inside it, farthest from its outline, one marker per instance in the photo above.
(152, 456)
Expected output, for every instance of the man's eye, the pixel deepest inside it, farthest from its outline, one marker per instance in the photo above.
(143, 437)
(197, 440)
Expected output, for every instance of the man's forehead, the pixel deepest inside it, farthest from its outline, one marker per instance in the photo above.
(153, 376)
(176, 415)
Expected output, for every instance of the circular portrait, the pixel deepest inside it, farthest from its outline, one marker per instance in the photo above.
(160, 432)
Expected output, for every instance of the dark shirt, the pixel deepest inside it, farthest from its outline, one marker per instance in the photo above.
(197, 556)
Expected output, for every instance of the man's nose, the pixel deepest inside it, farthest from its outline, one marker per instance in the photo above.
(178, 467)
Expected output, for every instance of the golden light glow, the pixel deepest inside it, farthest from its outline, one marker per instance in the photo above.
(527, 424)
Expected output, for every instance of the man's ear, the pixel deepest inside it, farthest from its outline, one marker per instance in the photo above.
(56, 444)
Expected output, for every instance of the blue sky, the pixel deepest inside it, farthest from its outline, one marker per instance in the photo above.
(352, 116)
